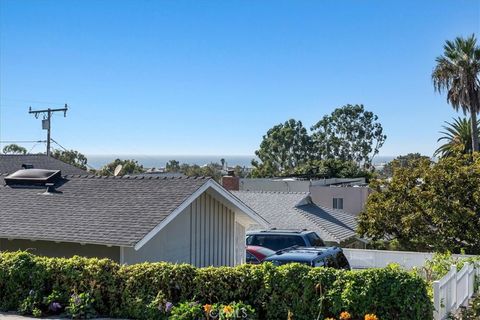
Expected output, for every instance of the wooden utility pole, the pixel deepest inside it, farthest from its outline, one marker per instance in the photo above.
(47, 120)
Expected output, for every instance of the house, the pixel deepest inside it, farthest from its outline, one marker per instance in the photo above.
(347, 194)
(128, 219)
(349, 198)
(10, 163)
(296, 210)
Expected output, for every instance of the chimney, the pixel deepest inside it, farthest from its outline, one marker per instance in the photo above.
(230, 181)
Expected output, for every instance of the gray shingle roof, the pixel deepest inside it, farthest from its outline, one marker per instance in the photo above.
(285, 210)
(97, 210)
(10, 163)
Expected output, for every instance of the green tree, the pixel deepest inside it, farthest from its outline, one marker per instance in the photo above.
(172, 166)
(457, 72)
(458, 136)
(72, 157)
(349, 133)
(403, 161)
(128, 167)
(283, 148)
(14, 149)
(427, 206)
(331, 168)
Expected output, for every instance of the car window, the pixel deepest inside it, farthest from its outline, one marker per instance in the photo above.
(315, 240)
(249, 240)
(342, 261)
(276, 242)
(250, 258)
(319, 263)
(330, 262)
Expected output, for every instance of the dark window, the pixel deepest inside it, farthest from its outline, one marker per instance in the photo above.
(330, 262)
(319, 263)
(337, 203)
(252, 259)
(276, 242)
(342, 261)
(249, 240)
(315, 240)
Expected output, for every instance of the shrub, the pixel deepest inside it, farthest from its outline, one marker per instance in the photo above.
(84, 287)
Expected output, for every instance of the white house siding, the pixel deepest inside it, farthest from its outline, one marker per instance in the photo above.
(202, 235)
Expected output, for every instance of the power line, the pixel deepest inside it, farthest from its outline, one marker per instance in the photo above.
(65, 149)
(22, 141)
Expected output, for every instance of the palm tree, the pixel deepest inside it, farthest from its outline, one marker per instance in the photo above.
(457, 73)
(458, 137)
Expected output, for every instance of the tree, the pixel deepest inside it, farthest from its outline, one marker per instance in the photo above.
(172, 166)
(128, 167)
(72, 157)
(458, 136)
(331, 168)
(349, 133)
(14, 149)
(457, 73)
(283, 148)
(427, 206)
(403, 161)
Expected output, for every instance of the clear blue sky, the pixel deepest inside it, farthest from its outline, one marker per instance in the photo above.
(210, 77)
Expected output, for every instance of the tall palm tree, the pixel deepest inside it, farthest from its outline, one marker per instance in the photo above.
(458, 137)
(457, 73)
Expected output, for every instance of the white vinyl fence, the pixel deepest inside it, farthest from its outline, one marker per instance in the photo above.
(364, 259)
(454, 290)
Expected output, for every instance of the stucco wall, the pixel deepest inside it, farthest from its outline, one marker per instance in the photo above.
(354, 198)
(202, 235)
(62, 249)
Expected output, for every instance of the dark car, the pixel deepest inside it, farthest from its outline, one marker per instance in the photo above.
(331, 257)
(276, 239)
(256, 254)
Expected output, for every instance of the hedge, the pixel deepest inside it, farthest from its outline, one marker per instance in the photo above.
(30, 284)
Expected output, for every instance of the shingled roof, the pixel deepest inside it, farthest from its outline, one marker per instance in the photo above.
(117, 211)
(10, 163)
(291, 210)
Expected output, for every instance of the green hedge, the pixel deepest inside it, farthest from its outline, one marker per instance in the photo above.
(29, 283)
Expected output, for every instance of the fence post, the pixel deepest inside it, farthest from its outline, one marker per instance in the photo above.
(454, 306)
(436, 300)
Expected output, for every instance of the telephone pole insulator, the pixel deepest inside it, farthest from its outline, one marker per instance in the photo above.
(47, 120)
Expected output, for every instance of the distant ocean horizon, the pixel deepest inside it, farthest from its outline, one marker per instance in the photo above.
(159, 161)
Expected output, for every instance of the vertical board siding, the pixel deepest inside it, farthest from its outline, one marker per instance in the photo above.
(212, 230)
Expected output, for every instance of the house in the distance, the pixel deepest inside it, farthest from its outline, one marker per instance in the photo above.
(127, 219)
(296, 210)
(10, 163)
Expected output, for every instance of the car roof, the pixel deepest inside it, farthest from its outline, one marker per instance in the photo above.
(279, 231)
(302, 254)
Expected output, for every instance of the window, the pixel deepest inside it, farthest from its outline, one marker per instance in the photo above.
(275, 242)
(252, 259)
(342, 261)
(315, 240)
(337, 203)
(330, 262)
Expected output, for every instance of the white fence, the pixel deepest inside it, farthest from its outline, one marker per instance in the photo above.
(454, 290)
(364, 259)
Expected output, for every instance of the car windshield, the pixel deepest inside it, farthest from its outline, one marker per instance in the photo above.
(275, 241)
(315, 240)
(282, 262)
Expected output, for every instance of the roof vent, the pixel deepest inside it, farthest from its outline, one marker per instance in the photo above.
(33, 177)
(27, 166)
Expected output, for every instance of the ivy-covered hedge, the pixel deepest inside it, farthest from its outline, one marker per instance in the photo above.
(37, 285)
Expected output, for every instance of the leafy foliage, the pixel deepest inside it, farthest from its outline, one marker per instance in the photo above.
(284, 147)
(458, 137)
(403, 161)
(128, 167)
(72, 157)
(14, 149)
(425, 206)
(349, 133)
(151, 290)
(457, 72)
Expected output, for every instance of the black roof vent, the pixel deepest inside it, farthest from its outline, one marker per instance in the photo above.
(27, 166)
(33, 177)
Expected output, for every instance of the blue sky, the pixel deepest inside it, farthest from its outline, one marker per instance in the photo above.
(211, 77)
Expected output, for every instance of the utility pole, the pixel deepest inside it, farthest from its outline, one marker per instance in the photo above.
(47, 120)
